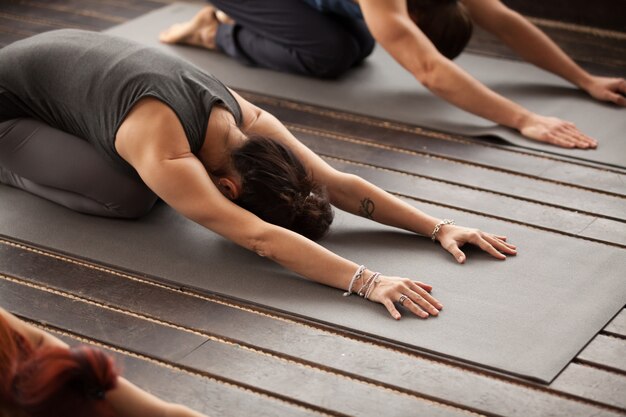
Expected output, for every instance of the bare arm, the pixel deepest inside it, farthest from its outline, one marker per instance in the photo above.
(392, 27)
(160, 153)
(357, 196)
(35, 336)
(535, 47)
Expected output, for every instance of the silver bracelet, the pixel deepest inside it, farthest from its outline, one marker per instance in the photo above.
(365, 287)
(370, 289)
(433, 235)
(357, 276)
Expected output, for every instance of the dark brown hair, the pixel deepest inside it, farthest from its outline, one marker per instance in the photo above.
(278, 189)
(52, 381)
(447, 24)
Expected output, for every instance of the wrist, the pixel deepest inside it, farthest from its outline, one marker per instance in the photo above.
(522, 119)
(584, 81)
(438, 227)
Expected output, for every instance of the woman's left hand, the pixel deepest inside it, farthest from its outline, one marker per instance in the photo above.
(452, 238)
(607, 89)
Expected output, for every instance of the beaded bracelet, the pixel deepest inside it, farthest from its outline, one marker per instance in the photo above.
(357, 276)
(433, 235)
(365, 287)
(370, 289)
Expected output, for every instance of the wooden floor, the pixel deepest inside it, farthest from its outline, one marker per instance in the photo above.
(225, 357)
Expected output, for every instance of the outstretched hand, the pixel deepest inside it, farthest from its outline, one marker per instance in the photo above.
(452, 238)
(413, 295)
(556, 132)
(608, 89)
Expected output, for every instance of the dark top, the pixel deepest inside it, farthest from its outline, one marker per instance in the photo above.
(345, 8)
(85, 83)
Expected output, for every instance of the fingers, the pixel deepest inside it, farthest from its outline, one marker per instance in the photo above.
(618, 92)
(501, 246)
(454, 249)
(568, 136)
(426, 287)
(478, 240)
(391, 308)
(412, 295)
(618, 99)
(422, 298)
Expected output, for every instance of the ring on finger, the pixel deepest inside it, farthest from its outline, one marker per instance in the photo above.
(402, 299)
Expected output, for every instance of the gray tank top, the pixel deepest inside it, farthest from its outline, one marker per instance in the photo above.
(85, 83)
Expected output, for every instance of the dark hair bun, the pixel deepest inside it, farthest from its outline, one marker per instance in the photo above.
(313, 214)
(277, 188)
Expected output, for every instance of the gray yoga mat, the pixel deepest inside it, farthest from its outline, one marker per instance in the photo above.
(528, 316)
(383, 89)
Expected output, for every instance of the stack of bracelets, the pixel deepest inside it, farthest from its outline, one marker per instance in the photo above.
(367, 288)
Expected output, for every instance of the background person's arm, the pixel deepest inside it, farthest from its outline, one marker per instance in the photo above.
(391, 26)
(537, 48)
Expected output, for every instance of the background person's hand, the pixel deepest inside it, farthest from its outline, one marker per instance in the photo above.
(413, 295)
(452, 238)
(556, 132)
(607, 89)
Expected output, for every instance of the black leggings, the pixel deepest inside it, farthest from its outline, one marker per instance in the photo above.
(69, 171)
(291, 36)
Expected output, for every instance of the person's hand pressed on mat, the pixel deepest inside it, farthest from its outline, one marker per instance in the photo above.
(417, 53)
(41, 374)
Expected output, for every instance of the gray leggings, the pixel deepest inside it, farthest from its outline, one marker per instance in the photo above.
(69, 171)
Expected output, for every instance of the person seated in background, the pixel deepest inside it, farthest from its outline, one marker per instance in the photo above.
(325, 38)
(41, 376)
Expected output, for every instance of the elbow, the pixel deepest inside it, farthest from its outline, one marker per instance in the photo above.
(431, 74)
(260, 242)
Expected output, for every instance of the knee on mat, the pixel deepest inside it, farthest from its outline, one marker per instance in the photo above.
(333, 58)
(133, 206)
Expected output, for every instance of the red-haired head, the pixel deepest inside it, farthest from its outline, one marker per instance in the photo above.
(52, 381)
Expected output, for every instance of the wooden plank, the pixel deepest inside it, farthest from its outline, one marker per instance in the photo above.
(325, 349)
(596, 384)
(618, 325)
(206, 395)
(97, 323)
(320, 389)
(106, 10)
(61, 18)
(597, 54)
(598, 14)
(510, 209)
(607, 352)
(328, 390)
(600, 228)
(503, 184)
(423, 140)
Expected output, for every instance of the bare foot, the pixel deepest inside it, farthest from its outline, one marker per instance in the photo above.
(199, 31)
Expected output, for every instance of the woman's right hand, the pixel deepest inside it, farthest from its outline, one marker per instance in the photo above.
(415, 296)
(556, 132)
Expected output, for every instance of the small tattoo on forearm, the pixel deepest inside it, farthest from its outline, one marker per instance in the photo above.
(367, 207)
